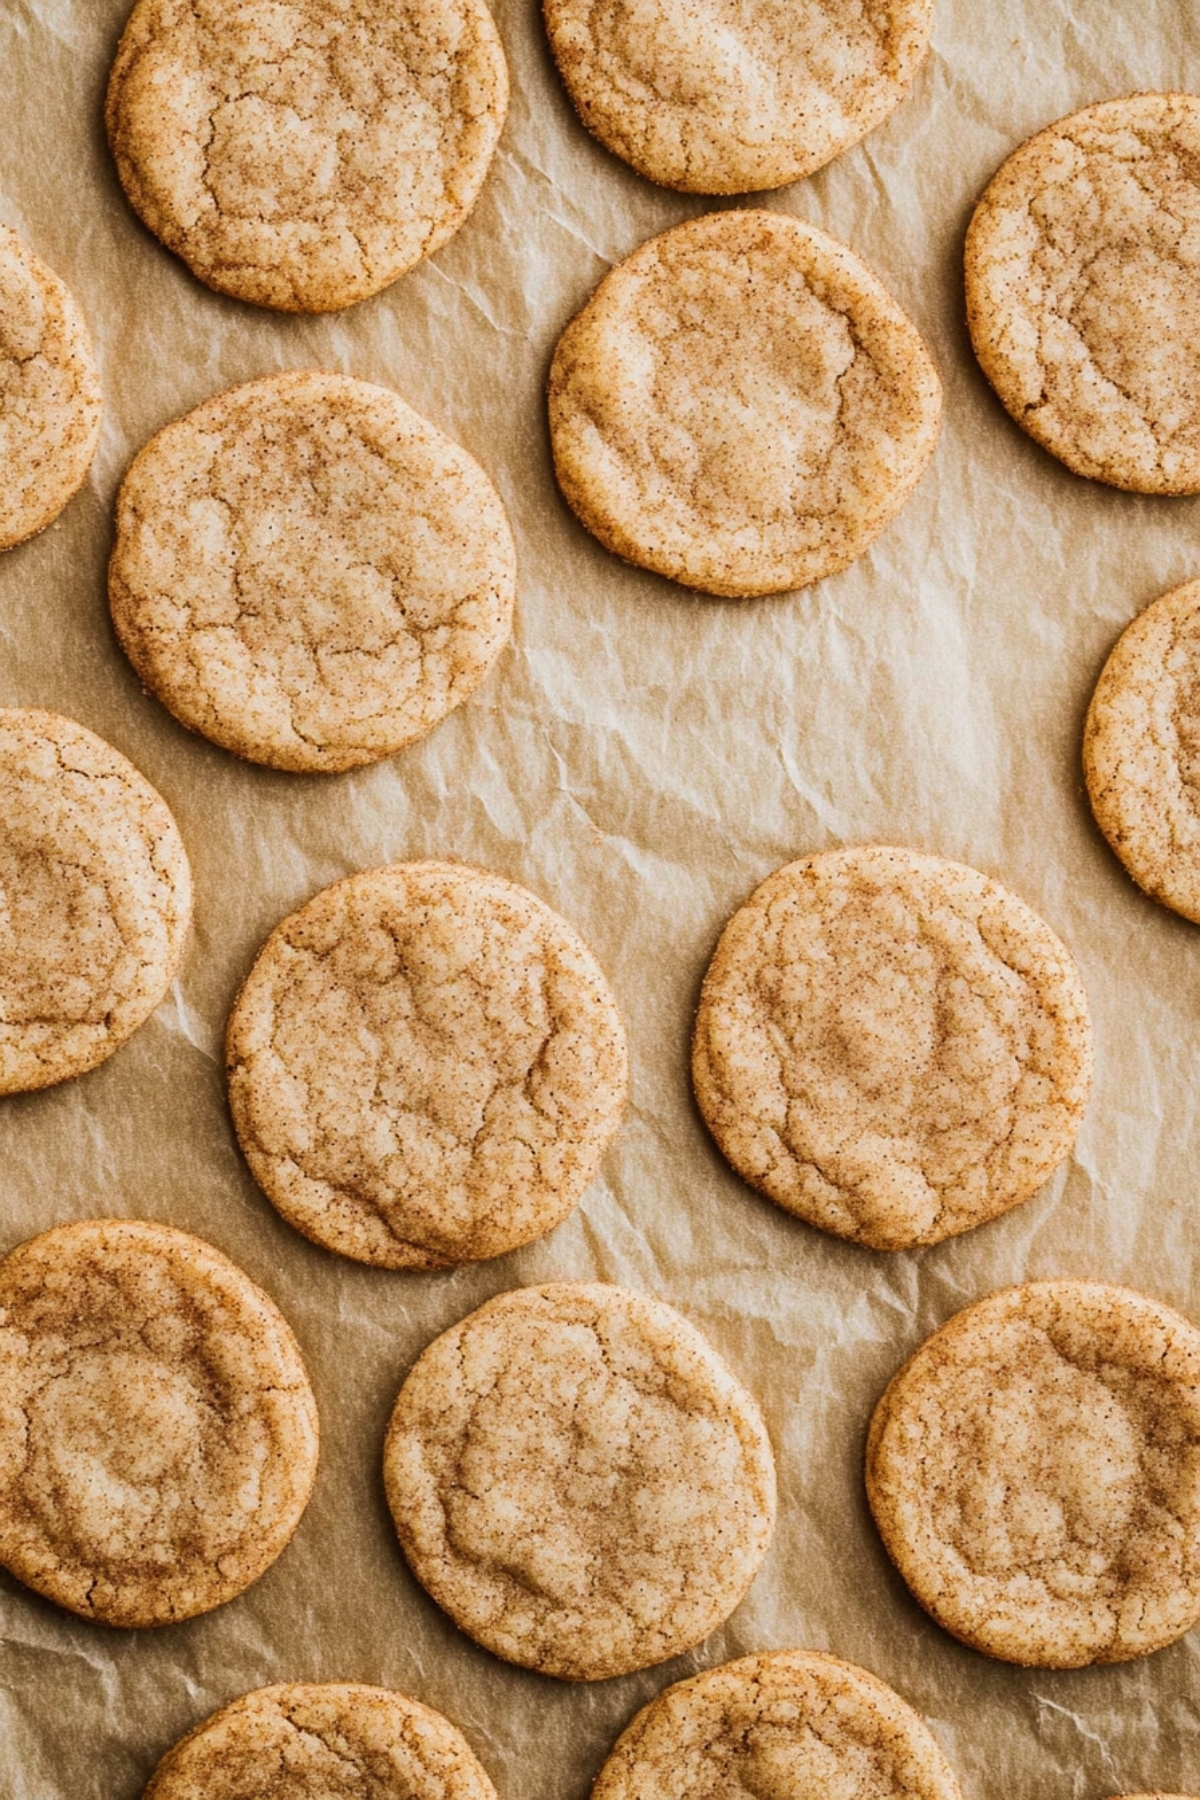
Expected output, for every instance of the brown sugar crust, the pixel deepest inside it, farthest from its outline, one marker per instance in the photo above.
(309, 573)
(1034, 1471)
(426, 1066)
(1083, 290)
(158, 1436)
(303, 155)
(777, 1726)
(724, 97)
(50, 402)
(578, 1479)
(333, 1741)
(95, 899)
(741, 405)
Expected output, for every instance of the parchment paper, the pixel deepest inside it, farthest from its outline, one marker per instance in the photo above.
(641, 757)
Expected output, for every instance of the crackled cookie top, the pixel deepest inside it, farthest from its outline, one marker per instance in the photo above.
(579, 1480)
(741, 405)
(725, 97)
(49, 393)
(309, 573)
(1083, 290)
(426, 1065)
(95, 899)
(789, 1725)
(337, 1741)
(1035, 1474)
(302, 154)
(891, 1045)
(158, 1436)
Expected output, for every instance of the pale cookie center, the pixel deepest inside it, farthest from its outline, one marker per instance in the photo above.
(1183, 682)
(61, 947)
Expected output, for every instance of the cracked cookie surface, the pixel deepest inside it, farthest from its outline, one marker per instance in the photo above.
(158, 1436)
(579, 1481)
(302, 154)
(741, 405)
(95, 899)
(426, 1066)
(891, 1046)
(1034, 1471)
(309, 573)
(724, 97)
(1083, 291)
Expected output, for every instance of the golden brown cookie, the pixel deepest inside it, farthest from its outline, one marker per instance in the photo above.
(95, 899)
(1034, 1471)
(309, 573)
(741, 405)
(158, 1436)
(1083, 290)
(579, 1480)
(302, 155)
(426, 1066)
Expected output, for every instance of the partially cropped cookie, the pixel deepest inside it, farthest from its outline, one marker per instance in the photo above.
(50, 401)
(1034, 1471)
(1083, 290)
(158, 1436)
(95, 899)
(725, 97)
(309, 573)
(303, 155)
(579, 1480)
(741, 405)
(426, 1065)
(891, 1046)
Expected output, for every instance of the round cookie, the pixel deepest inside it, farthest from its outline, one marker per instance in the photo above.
(579, 1481)
(1034, 1472)
(158, 1436)
(309, 573)
(784, 1723)
(95, 899)
(724, 97)
(741, 405)
(891, 1046)
(50, 401)
(302, 155)
(1083, 291)
(333, 1741)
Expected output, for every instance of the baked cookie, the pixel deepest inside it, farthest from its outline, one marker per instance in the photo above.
(309, 573)
(335, 1741)
(579, 1481)
(891, 1046)
(158, 1436)
(724, 97)
(426, 1066)
(741, 405)
(1083, 291)
(95, 899)
(786, 1723)
(50, 401)
(1034, 1472)
(302, 155)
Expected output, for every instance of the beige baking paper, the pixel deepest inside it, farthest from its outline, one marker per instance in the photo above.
(641, 757)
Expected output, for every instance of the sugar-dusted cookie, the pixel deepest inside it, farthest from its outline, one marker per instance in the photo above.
(50, 401)
(302, 155)
(309, 573)
(741, 405)
(1034, 1471)
(158, 1436)
(732, 96)
(1083, 290)
(426, 1066)
(891, 1045)
(95, 899)
(579, 1480)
